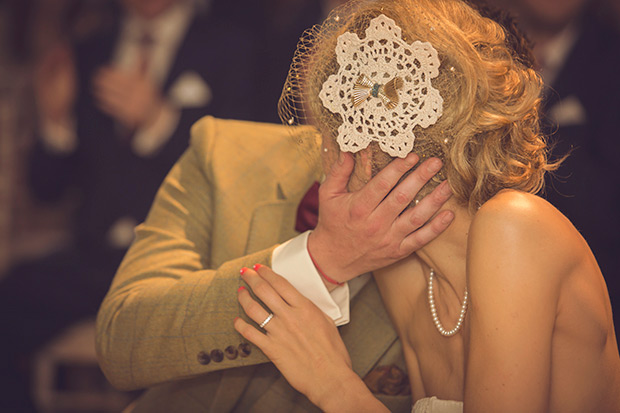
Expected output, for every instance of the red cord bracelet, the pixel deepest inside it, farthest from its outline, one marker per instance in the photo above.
(328, 279)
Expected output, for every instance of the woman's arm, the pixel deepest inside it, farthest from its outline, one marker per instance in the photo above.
(303, 343)
(168, 314)
(514, 289)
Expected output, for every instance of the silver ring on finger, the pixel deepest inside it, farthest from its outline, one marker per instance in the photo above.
(268, 319)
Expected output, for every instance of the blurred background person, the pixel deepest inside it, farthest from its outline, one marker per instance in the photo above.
(279, 25)
(577, 47)
(29, 230)
(113, 114)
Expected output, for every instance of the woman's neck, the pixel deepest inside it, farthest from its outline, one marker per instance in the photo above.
(446, 255)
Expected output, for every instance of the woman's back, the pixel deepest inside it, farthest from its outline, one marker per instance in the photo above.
(556, 312)
(539, 321)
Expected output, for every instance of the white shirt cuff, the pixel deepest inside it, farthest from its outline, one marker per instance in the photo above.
(292, 261)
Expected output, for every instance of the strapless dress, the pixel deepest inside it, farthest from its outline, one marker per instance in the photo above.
(435, 405)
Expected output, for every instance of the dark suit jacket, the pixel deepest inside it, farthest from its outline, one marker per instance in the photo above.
(586, 187)
(112, 181)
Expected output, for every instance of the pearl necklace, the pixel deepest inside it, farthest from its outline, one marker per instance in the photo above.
(431, 303)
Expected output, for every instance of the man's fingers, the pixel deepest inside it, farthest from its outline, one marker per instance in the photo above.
(113, 110)
(109, 99)
(115, 81)
(113, 75)
(406, 191)
(338, 176)
(112, 90)
(427, 233)
(416, 217)
(371, 195)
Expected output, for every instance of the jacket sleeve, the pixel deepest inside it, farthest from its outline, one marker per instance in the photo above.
(168, 314)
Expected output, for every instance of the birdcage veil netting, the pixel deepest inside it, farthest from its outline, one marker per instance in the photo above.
(315, 60)
(485, 129)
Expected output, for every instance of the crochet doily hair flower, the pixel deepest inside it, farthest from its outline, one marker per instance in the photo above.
(382, 89)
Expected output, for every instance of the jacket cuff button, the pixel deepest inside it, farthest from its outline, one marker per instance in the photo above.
(231, 352)
(217, 355)
(203, 358)
(245, 349)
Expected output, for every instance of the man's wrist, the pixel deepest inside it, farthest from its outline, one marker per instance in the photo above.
(292, 261)
(331, 281)
(330, 262)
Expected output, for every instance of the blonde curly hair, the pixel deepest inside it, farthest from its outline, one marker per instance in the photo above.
(488, 136)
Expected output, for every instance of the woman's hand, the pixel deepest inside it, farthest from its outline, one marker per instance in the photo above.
(303, 343)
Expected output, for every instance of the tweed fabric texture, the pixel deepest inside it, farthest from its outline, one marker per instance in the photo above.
(226, 204)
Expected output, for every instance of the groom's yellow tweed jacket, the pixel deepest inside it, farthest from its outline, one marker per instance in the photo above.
(166, 322)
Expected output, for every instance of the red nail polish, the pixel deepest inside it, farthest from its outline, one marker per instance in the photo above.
(236, 318)
(257, 266)
(241, 288)
(243, 270)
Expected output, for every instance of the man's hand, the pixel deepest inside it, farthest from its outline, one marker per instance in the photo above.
(55, 85)
(128, 96)
(365, 230)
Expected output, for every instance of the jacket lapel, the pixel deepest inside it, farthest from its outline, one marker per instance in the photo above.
(272, 222)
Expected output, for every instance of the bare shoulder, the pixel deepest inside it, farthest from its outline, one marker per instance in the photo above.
(539, 315)
(526, 230)
(516, 210)
(522, 216)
